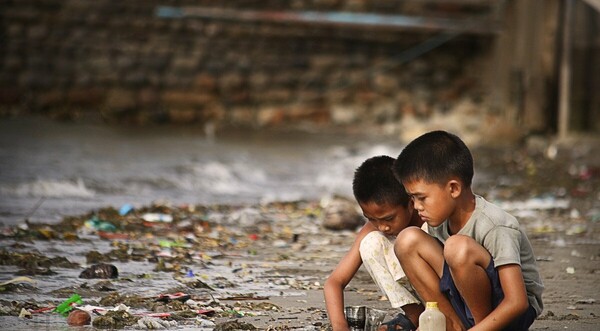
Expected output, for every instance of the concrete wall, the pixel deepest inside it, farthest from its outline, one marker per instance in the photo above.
(119, 60)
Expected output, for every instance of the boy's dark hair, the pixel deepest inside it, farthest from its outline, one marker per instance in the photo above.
(374, 181)
(435, 157)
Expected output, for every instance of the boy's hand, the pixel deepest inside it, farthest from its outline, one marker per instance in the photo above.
(340, 327)
(455, 326)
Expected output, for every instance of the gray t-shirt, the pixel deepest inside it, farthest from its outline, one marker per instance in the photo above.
(500, 233)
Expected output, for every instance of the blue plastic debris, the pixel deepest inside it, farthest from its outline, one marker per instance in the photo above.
(125, 209)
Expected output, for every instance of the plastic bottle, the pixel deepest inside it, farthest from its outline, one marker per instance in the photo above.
(432, 319)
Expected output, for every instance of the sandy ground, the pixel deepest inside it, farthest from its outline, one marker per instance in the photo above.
(569, 265)
(571, 300)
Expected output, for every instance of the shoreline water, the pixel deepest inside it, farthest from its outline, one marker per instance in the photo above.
(69, 168)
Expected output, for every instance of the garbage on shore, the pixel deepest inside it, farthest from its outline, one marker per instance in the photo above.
(180, 244)
(213, 267)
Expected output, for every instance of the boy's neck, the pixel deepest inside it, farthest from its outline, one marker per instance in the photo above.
(465, 205)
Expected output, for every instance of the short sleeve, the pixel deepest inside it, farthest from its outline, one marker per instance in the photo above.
(504, 244)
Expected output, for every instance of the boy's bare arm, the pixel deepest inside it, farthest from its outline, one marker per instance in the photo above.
(339, 278)
(515, 300)
(334, 300)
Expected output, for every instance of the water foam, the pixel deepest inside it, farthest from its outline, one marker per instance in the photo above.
(336, 177)
(49, 188)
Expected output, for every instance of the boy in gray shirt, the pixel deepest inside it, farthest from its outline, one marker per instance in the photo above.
(477, 263)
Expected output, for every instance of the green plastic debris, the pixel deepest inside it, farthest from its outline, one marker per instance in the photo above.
(169, 243)
(100, 225)
(65, 307)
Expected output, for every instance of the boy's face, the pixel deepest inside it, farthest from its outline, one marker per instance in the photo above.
(387, 218)
(433, 202)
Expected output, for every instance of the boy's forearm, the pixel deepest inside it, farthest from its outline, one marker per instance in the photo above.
(337, 317)
(334, 302)
(515, 301)
(500, 317)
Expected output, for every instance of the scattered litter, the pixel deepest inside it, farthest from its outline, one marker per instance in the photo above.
(205, 312)
(16, 280)
(164, 253)
(205, 324)
(280, 244)
(113, 235)
(79, 318)
(535, 204)
(171, 243)
(97, 224)
(125, 209)
(153, 323)
(121, 307)
(234, 325)
(594, 214)
(588, 301)
(179, 296)
(24, 313)
(102, 270)
(576, 229)
(42, 310)
(115, 320)
(551, 152)
(540, 227)
(156, 217)
(93, 309)
(66, 306)
(229, 261)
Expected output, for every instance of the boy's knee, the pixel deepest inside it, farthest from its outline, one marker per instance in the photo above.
(407, 240)
(461, 250)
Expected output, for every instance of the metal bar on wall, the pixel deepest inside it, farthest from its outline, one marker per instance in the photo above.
(339, 19)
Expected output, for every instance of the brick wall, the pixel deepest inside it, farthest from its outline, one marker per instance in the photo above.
(73, 58)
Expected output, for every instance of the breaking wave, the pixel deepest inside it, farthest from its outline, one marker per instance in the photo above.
(49, 189)
(227, 179)
(336, 176)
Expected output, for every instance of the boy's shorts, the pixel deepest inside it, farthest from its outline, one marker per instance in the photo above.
(448, 287)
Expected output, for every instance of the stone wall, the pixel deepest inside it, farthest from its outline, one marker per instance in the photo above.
(120, 60)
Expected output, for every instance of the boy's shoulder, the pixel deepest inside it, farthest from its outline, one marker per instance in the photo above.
(490, 215)
(487, 218)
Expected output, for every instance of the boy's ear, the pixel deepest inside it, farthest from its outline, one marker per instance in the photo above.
(455, 188)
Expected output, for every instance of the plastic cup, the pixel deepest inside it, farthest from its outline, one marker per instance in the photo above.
(374, 318)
